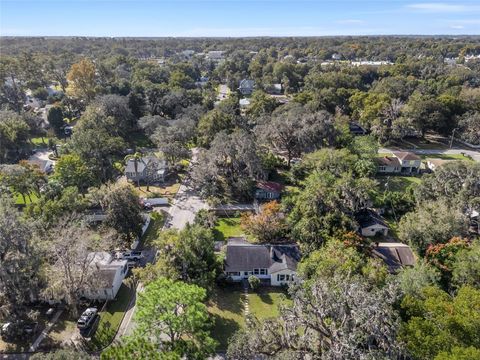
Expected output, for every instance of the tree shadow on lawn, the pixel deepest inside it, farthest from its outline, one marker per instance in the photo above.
(228, 298)
(223, 329)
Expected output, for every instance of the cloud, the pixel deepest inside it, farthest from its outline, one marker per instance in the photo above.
(442, 7)
(457, 27)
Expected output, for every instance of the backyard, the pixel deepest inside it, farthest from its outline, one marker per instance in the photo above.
(227, 309)
(226, 228)
(397, 183)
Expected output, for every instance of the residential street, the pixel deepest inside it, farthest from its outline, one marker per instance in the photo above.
(474, 154)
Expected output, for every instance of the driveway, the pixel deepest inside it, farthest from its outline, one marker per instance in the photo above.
(474, 154)
(186, 204)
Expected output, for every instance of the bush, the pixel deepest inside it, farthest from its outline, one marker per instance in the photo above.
(254, 282)
(40, 93)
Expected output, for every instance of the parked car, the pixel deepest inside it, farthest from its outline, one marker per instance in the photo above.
(87, 318)
(130, 255)
(18, 330)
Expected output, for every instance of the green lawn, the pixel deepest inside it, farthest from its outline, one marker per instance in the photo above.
(397, 183)
(111, 318)
(226, 308)
(227, 227)
(151, 235)
(264, 303)
(19, 199)
(447, 157)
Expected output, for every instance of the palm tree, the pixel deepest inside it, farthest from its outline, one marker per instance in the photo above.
(136, 157)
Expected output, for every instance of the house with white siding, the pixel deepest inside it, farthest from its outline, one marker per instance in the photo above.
(276, 264)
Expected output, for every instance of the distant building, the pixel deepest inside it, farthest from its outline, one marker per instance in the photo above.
(356, 129)
(268, 190)
(336, 57)
(215, 55)
(246, 86)
(402, 162)
(244, 103)
(274, 89)
(147, 169)
(371, 223)
(45, 166)
(276, 264)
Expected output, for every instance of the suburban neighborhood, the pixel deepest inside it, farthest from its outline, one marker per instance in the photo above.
(240, 198)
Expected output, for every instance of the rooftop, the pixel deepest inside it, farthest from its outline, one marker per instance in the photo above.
(269, 186)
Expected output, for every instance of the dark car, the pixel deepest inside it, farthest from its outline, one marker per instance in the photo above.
(87, 318)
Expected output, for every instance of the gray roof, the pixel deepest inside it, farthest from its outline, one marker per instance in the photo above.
(143, 163)
(247, 84)
(242, 256)
(105, 277)
(369, 217)
(395, 255)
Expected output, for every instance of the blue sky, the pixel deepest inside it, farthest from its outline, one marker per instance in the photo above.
(237, 17)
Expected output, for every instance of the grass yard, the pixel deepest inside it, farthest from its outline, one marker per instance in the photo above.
(265, 302)
(397, 183)
(19, 199)
(111, 318)
(151, 235)
(226, 308)
(447, 157)
(227, 227)
(168, 191)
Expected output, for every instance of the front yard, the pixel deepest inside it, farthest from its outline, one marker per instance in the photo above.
(111, 318)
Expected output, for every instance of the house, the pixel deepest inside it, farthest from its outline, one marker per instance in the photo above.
(268, 190)
(336, 57)
(274, 89)
(409, 161)
(244, 103)
(434, 164)
(45, 166)
(276, 264)
(356, 129)
(402, 162)
(108, 274)
(246, 86)
(371, 223)
(147, 169)
(215, 55)
(395, 255)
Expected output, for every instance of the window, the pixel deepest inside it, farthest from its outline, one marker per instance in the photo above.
(263, 271)
(245, 273)
(233, 273)
(382, 168)
(280, 277)
(287, 277)
(256, 271)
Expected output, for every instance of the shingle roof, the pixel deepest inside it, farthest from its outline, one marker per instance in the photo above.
(270, 186)
(388, 161)
(242, 256)
(406, 155)
(368, 217)
(395, 255)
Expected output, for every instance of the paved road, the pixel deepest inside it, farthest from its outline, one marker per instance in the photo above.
(474, 154)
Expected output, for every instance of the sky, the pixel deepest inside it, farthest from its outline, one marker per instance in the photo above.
(237, 18)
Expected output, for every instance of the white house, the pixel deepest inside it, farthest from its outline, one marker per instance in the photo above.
(274, 263)
(402, 162)
(370, 223)
(107, 276)
(148, 168)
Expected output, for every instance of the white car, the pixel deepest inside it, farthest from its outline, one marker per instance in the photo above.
(87, 318)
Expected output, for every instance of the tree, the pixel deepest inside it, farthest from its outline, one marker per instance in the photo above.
(186, 255)
(261, 104)
(433, 222)
(442, 256)
(412, 280)
(293, 131)
(55, 119)
(22, 178)
(62, 354)
(173, 317)
(254, 282)
(116, 107)
(173, 139)
(326, 205)
(13, 134)
(269, 225)
(71, 170)
(123, 210)
(70, 244)
(19, 262)
(459, 353)
(82, 80)
(329, 319)
(211, 124)
(437, 322)
(466, 267)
